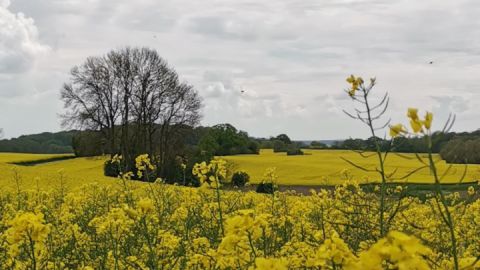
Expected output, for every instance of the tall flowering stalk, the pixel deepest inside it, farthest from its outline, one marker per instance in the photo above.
(370, 115)
(423, 127)
(210, 175)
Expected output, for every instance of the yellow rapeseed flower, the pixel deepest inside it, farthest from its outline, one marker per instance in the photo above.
(271, 264)
(416, 125)
(428, 120)
(397, 130)
(412, 113)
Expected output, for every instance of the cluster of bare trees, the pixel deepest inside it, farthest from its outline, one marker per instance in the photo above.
(134, 99)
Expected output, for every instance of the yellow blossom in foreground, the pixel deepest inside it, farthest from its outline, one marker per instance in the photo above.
(428, 120)
(26, 228)
(397, 130)
(145, 205)
(412, 113)
(271, 264)
(416, 125)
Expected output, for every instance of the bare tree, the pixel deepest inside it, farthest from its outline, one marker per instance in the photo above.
(1, 133)
(133, 97)
(182, 108)
(91, 99)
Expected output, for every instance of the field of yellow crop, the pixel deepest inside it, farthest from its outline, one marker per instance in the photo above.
(160, 226)
(317, 167)
(71, 173)
(326, 167)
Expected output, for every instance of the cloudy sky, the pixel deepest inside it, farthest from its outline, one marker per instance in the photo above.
(290, 58)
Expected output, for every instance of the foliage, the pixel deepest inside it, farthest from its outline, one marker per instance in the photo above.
(269, 182)
(462, 151)
(318, 145)
(135, 101)
(45, 143)
(111, 168)
(89, 144)
(283, 138)
(240, 179)
(225, 139)
(279, 146)
(293, 150)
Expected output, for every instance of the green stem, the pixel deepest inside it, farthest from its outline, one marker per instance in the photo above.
(382, 164)
(219, 204)
(439, 193)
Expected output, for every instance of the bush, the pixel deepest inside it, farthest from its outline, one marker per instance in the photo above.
(461, 151)
(111, 169)
(279, 146)
(114, 169)
(240, 179)
(267, 187)
(294, 152)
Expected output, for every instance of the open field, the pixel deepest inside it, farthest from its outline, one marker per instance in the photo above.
(72, 173)
(317, 167)
(111, 226)
(325, 167)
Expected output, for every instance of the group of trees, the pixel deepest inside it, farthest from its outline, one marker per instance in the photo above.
(399, 144)
(453, 147)
(282, 143)
(44, 143)
(134, 101)
(463, 151)
(225, 139)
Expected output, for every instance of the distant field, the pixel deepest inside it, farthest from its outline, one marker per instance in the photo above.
(320, 167)
(317, 167)
(71, 173)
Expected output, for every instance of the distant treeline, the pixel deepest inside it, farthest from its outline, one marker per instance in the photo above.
(218, 140)
(225, 139)
(453, 147)
(43, 143)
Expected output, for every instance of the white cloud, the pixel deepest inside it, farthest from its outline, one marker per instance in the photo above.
(290, 57)
(19, 44)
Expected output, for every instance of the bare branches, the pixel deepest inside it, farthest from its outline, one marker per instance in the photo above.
(128, 94)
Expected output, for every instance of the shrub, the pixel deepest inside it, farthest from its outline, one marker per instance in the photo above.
(267, 187)
(294, 152)
(240, 179)
(279, 146)
(462, 151)
(111, 169)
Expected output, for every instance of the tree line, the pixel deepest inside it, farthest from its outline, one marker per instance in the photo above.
(43, 143)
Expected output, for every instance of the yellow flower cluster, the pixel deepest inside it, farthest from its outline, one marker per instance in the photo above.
(159, 226)
(143, 163)
(116, 159)
(355, 83)
(418, 125)
(212, 173)
(27, 234)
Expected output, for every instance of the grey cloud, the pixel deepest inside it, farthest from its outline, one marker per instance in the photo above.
(291, 57)
(19, 44)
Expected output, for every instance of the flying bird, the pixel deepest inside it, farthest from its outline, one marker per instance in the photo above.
(431, 62)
